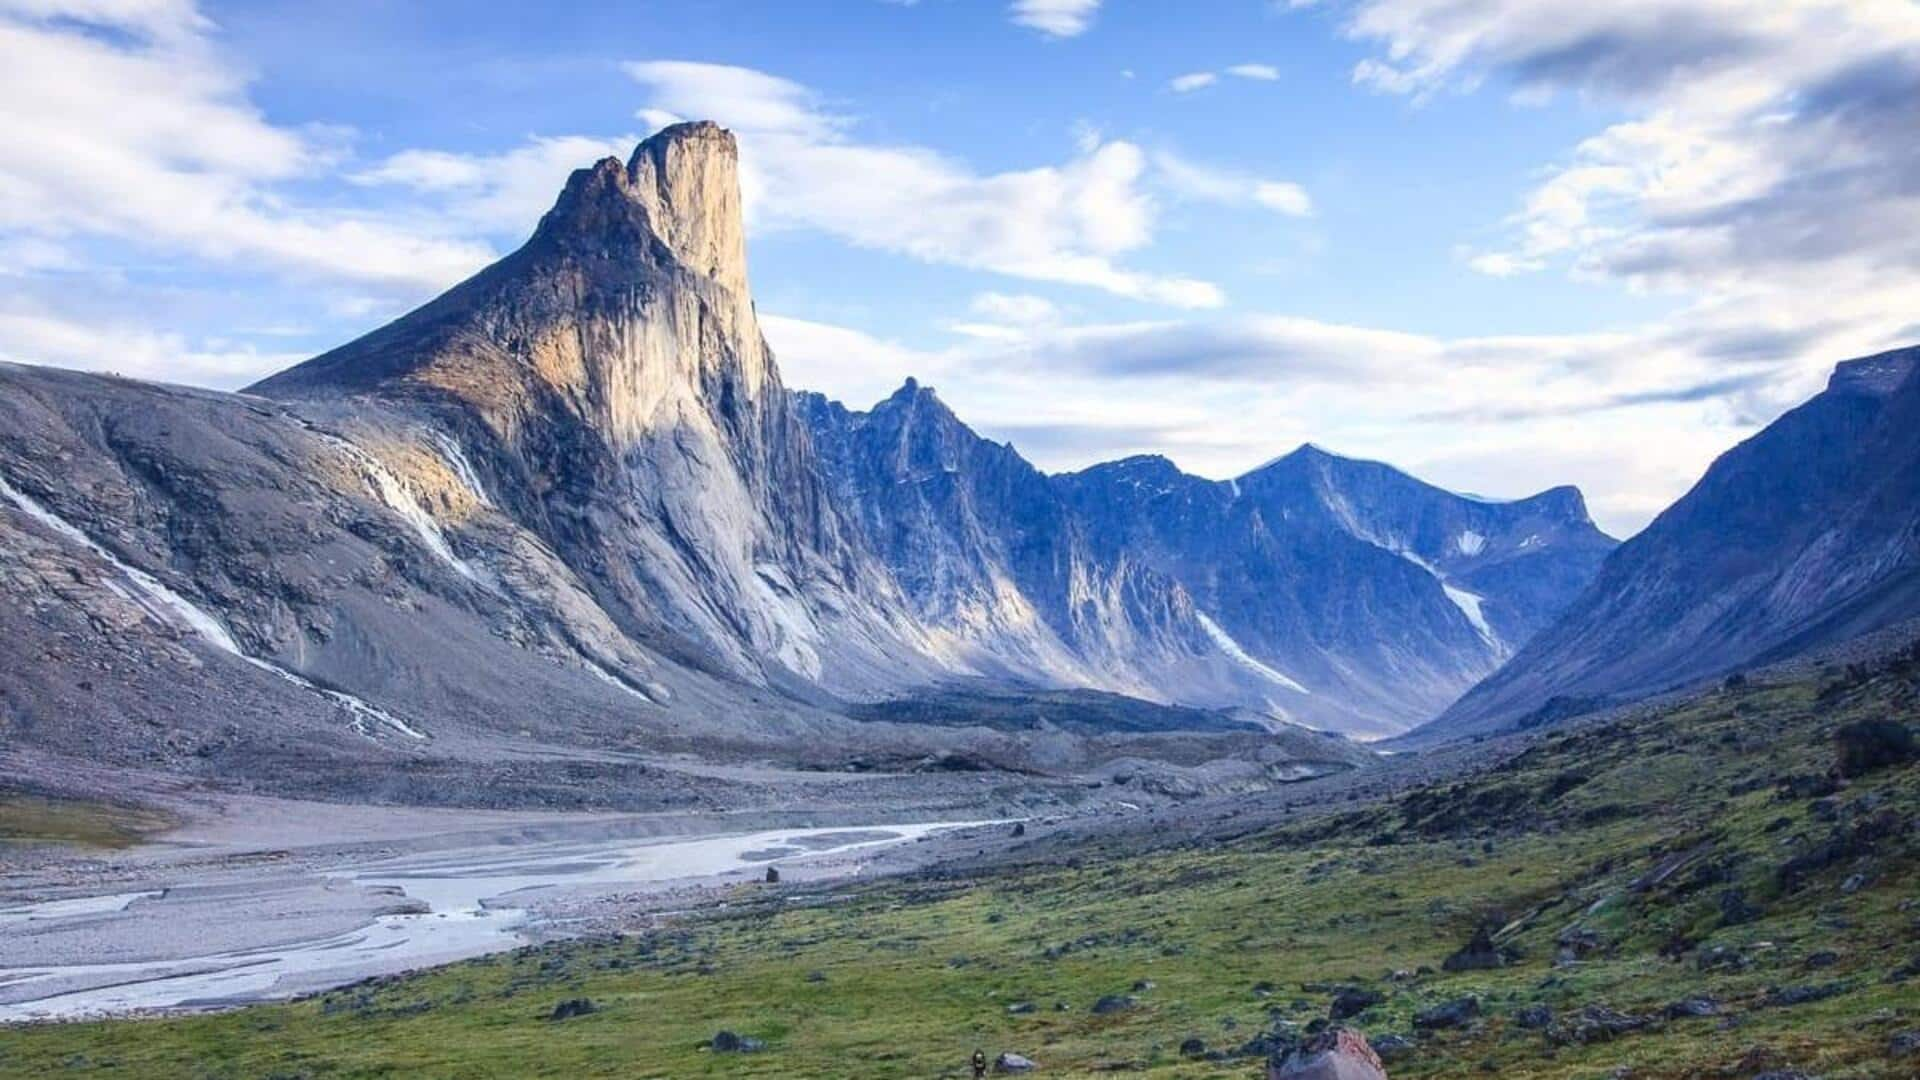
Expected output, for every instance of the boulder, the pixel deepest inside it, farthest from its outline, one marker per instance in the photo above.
(1453, 1014)
(1866, 745)
(1478, 954)
(1788, 996)
(1113, 1003)
(573, 1007)
(726, 1042)
(1693, 1007)
(773, 875)
(1011, 1063)
(1595, 1024)
(1393, 1047)
(1734, 908)
(1334, 1054)
(1534, 1017)
(1352, 1001)
(1193, 1046)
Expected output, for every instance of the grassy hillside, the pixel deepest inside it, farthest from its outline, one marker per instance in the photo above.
(1614, 872)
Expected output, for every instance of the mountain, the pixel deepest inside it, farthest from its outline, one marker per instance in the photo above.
(1328, 591)
(610, 384)
(1805, 535)
(563, 529)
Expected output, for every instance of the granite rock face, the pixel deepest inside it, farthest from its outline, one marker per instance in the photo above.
(1806, 534)
(609, 381)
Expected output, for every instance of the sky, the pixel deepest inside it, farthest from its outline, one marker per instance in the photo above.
(1502, 244)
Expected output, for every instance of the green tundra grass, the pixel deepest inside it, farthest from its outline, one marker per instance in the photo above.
(907, 978)
(32, 819)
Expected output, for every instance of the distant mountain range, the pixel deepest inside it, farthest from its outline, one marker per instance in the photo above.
(1341, 593)
(1805, 535)
(570, 501)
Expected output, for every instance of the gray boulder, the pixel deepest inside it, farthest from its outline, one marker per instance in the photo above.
(1334, 1054)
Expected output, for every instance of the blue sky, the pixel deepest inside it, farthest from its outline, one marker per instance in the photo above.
(1501, 243)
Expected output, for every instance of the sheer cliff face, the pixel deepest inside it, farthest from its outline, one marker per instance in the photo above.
(1805, 535)
(611, 379)
(1325, 590)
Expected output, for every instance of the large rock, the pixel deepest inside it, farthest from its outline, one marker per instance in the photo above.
(1866, 745)
(1334, 1054)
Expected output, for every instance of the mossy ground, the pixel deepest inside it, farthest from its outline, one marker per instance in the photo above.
(32, 819)
(905, 979)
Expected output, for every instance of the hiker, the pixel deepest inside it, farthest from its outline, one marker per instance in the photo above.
(979, 1064)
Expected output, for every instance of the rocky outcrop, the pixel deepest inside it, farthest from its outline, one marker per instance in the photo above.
(1805, 535)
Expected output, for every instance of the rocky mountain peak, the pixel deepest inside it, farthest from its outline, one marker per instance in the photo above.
(1564, 503)
(678, 196)
(687, 177)
(1877, 375)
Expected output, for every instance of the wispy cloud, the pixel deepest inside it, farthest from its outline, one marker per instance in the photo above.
(1199, 80)
(1191, 179)
(806, 168)
(1767, 164)
(1055, 18)
(153, 141)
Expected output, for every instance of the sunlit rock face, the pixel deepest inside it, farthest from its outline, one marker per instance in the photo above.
(611, 380)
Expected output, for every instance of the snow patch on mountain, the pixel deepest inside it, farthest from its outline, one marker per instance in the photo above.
(1469, 605)
(1238, 655)
(462, 468)
(393, 491)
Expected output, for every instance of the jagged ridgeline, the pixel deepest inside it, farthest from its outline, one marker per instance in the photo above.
(571, 501)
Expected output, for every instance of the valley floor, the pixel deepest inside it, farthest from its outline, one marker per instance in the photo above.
(1685, 894)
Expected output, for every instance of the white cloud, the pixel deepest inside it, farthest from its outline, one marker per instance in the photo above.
(1193, 180)
(131, 350)
(1004, 317)
(157, 145)
(803, 168)
(1055, 18)
(1196, 80)
(1503, 416)
(502, 193)
(1767, 168)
